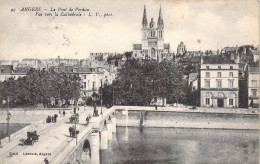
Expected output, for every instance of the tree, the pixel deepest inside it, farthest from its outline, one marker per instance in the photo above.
(138, 82)
(39, 86)
(128, 55)
(107, 94)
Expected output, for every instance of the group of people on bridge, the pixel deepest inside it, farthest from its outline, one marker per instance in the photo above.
(50, 119)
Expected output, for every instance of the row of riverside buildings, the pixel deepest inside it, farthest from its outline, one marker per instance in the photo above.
(228, 77)
(93, 73)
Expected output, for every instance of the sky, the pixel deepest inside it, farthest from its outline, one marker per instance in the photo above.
(200, 24)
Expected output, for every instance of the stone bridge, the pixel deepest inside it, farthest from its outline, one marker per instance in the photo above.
(85, 148)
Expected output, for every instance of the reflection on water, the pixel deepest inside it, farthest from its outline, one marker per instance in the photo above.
(171, 145)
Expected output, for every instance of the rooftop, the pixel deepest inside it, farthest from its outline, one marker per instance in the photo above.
(117, 56)
(217, 59)
(230, 48)
(137, 46)
(10, 70)
(254, 69)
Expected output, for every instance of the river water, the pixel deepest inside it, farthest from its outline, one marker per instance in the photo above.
(173, 145)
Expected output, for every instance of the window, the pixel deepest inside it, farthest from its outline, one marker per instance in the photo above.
(207, 84)
(84, 76)
(207, 74)
(254, 83)
(207, 67)
(219, 67)
(207, 101)
(84, 85)
(230, 83)
(253, 91)
(219, 83)
(231, 67)
(230, 101)
(94, 86)
(219, 74)
(230, 74)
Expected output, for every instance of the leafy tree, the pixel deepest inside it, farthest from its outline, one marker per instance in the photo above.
(128, 54)
(107, 94)
(138, 82)
(190, 69)
(39, 86)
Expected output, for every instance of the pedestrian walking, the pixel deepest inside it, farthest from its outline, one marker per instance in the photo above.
(95, 111)
(52, 119)
(87, 120)
(46, 161)
(64, 113)
(55, 117)
(74, 110)
(70, 130)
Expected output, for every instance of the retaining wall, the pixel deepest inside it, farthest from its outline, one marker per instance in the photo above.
(187, 120)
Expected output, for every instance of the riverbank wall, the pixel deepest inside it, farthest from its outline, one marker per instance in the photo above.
(184, 119)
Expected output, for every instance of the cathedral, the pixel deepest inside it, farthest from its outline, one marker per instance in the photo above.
(153, 46)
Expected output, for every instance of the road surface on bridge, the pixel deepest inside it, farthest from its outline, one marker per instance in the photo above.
(53, 138)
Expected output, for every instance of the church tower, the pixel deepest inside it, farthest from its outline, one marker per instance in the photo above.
(160, 30)
(153, 46)
(144, 29)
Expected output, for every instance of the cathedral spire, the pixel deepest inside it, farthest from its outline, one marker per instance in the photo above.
(160, 19)
(144, 22)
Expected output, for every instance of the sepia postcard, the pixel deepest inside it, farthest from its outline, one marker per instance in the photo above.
(133, 81)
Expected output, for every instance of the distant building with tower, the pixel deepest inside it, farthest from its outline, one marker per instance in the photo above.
(153, 46)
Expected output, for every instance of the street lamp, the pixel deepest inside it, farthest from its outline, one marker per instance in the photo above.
(59, 103)
(75, 107)
(101, 98)
(113, 97)
(8, 117)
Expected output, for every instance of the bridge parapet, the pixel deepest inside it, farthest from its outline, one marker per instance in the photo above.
(90, 140)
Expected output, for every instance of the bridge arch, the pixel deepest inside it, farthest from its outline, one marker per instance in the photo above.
(86, 153)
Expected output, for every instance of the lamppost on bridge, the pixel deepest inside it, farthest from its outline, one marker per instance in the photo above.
(8, 118)
(75, 112)
(59, 102)
(113, 96)
(101, 98)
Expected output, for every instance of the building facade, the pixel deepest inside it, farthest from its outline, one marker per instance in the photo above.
(253, 87)
(219, 83)
(8, 71)
(153, 46)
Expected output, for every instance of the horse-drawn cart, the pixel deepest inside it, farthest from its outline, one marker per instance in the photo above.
(74, 119)
(32, 137)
